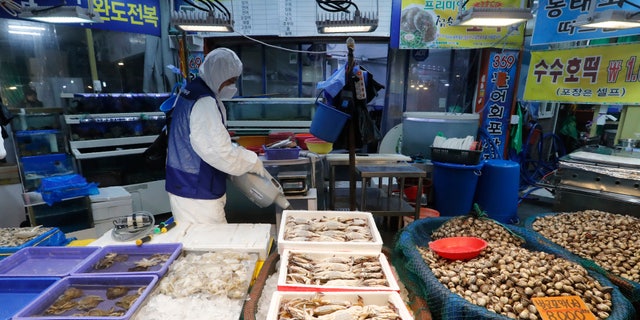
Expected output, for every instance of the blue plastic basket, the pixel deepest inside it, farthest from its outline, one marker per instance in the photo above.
(281, 153)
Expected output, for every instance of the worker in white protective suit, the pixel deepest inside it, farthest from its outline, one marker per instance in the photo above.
(200, 153)
(3, 151)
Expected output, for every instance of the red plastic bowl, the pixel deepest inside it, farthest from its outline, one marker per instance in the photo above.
(300, 139)
(458, 248)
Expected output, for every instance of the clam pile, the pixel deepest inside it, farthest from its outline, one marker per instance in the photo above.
(610, 240)
(15, 237)
(505, 277)
(327, 229)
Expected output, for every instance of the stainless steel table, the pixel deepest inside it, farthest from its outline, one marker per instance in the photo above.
(342, 159)
(389, 204)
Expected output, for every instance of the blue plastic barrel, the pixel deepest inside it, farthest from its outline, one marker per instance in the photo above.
(498, 190)
(454, 186)
(327, 122)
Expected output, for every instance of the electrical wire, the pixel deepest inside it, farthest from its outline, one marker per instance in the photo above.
(336, 5)
(193, 4)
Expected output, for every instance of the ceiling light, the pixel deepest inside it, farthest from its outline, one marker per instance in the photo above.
(608, 19)
(60, 14)
(339, 18)
(492, 17)
(206, 16)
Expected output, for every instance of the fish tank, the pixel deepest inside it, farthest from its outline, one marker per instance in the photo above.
(93, 103)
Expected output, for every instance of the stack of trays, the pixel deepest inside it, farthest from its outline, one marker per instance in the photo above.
(333, 260)
(81, 282)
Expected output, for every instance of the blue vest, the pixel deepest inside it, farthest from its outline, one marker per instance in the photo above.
(188, 175)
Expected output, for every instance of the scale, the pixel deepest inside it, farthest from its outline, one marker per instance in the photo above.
(293, 182)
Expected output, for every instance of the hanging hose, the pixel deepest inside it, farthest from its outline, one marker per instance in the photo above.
(534, 170)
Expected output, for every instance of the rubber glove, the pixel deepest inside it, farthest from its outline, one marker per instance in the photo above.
(259, 169)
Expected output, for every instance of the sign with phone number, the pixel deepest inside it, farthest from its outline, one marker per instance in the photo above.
(497, 101)
(601, 75)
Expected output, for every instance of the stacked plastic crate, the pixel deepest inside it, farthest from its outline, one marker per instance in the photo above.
(333, 261)
(81, 282)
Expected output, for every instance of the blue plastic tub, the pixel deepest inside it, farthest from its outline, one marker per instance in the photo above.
(454, 186)
(142, 285)
(131, 254)
(327, 122)
(45, 261)
(16, 293)
(498, 190)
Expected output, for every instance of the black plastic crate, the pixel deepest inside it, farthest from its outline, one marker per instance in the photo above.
(457, 156)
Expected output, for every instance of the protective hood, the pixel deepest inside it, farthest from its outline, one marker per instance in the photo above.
(219, 66)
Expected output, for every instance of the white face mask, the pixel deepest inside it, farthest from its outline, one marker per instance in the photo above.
(228, 92)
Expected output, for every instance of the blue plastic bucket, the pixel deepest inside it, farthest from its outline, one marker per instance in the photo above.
(327, 122)
(498, 190)
(454, 186)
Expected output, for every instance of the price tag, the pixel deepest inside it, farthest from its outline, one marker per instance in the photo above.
(562, 308)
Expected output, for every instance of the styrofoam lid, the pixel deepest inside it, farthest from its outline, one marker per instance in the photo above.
(110, 194)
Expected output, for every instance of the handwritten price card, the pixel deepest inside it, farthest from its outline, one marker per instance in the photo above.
(562, 308)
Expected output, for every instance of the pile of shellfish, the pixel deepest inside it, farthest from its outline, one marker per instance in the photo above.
(353, 271)
(505, 277)
(610, 240)
(15, 237)
(318, 307)
(201, 285)
(327, 229)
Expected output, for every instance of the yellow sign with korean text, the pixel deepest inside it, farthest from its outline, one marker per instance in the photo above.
(562, 307)
(597, 75)
(427, 24)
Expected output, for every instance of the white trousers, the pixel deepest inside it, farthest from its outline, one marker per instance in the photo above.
(186, 210)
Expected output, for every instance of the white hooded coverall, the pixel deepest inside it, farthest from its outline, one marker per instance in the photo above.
(211, 141)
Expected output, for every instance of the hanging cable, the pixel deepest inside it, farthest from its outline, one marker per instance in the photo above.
(191, 3)
(336, 5)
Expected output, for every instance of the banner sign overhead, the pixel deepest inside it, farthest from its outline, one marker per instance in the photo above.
(135, 16)
(598, 75)
(428, 24)
(555, 18)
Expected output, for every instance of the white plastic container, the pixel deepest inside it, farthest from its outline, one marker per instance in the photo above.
(364, 247)
(319, 255)
(368, 298)
(420, 128)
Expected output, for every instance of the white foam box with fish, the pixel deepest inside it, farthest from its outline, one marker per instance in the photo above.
(335, 271)
(331, 220)
(337, 300)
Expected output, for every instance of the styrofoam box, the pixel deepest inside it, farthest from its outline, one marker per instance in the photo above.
(111, 209)
(111, 194)
(381, 298)
(374, 246)
(284, 263)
